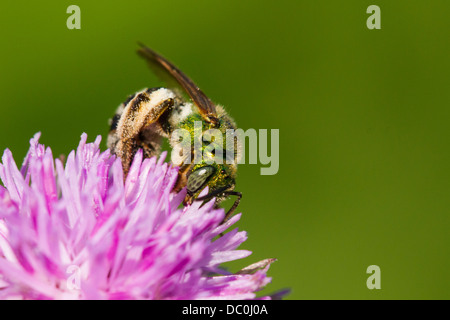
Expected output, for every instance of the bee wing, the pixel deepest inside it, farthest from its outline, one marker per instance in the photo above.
(163, 67)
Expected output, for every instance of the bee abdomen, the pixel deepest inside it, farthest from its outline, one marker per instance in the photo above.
(137, 124)
(143, 109)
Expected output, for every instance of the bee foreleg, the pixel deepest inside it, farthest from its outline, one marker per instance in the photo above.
(234, 206)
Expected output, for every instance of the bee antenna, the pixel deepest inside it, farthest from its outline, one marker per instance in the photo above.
(212, 194)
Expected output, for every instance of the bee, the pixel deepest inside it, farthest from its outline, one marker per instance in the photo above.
(151, 115)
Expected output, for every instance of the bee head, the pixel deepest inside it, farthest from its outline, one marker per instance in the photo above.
(218, 179)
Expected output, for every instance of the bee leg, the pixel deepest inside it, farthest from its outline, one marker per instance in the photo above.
(182, 178)
(234, 206)
(232, 209)
(128, 149)
(150, 144)
(209, 196)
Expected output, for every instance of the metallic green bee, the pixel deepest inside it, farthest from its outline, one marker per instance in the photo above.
(151, 115)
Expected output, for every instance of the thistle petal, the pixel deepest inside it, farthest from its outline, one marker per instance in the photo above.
(78, 231)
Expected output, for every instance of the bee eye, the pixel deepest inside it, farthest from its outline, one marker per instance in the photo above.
(198, 178)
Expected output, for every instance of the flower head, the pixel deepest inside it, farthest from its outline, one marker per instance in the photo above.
(78, 231)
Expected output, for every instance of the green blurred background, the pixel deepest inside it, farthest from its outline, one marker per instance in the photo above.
(363, 116)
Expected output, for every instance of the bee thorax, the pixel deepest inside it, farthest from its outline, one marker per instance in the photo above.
(180, 114)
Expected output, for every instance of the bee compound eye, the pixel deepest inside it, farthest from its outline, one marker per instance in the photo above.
(199, 177)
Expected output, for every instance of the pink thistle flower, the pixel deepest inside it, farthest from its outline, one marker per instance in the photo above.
(80, 232)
